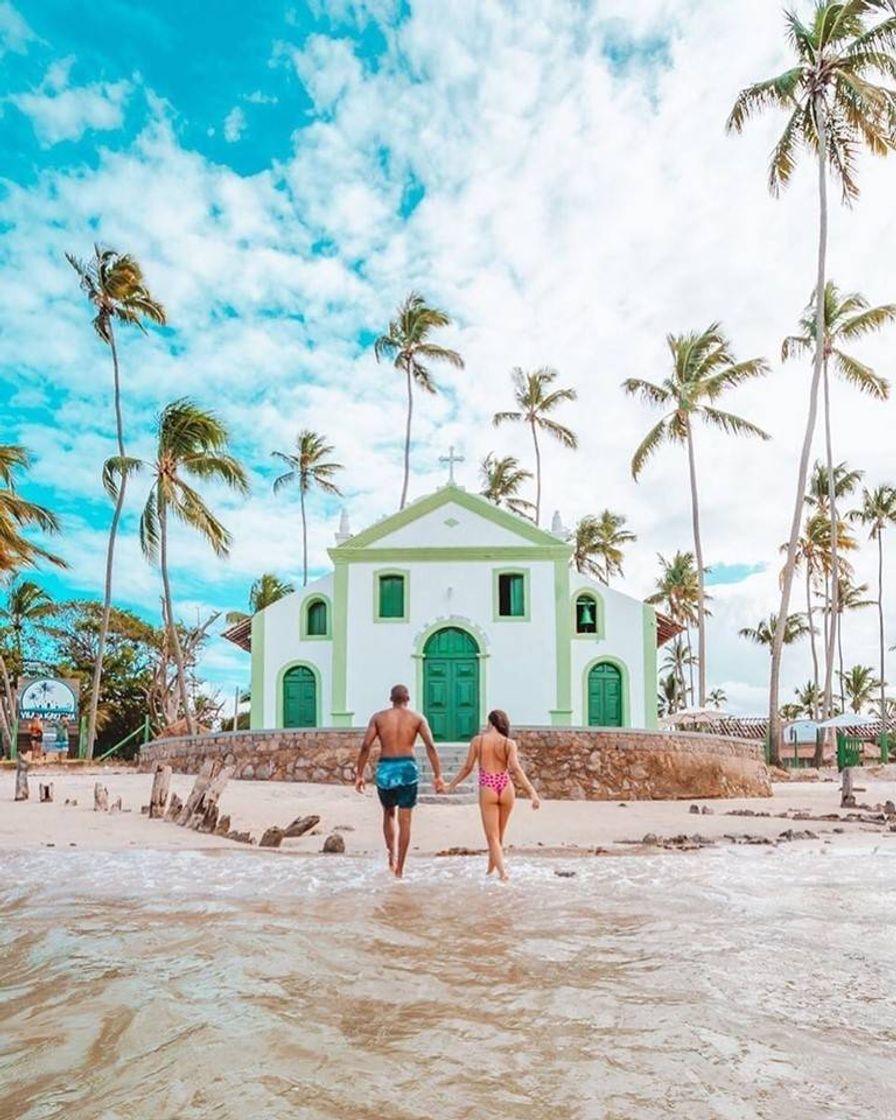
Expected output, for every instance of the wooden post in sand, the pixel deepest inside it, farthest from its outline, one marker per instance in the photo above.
(100, 798)
(847, 797)
(21, 778)
(205, 815)
(159, 797)
(203, 781)
(45, 792)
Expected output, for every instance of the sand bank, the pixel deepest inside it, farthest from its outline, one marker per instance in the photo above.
(558, 826)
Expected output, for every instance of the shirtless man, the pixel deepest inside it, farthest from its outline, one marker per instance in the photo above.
(397, 729)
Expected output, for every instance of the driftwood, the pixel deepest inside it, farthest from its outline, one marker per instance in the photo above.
(203, 781)
(158, 799)
(300, 826)
(205, 815)
(21, 779)
(273, 838)
(45, 791)
(115, 806)
(223, 825)
(174, 807)
(847, 795)
(100, 798)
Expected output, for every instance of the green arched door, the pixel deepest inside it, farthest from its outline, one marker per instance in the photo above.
(451, 685)
(605, 696)
(299, 697)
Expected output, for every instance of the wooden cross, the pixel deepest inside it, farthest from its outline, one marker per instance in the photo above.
(451, 459)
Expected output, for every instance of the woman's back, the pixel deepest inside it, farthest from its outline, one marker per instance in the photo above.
(494, 751)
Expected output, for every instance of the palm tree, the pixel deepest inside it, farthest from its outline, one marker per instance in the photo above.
(677, 591)
(407, 343)
(808, 699)
(718, 698)
(598, 545)
(846, 318)
(678, 657)
(114, 286)
(703, 368)
(834, 108)
(763, 633)
(18, 514)
(669, 695)
(536, 400)
(27, 606)
(267, 589)
(191, 444)
(501, 482)
(308, 466)
(860, 685)
(850, 597)
(877, 513)
(845, 481)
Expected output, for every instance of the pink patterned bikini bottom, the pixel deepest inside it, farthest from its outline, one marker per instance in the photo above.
(497, 782)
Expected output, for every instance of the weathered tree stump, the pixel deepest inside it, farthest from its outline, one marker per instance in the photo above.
(45, 791)
(100, 798)
(161, 783)
(175, 805)
(203, 780)
(223, 825)
(847, 796)
(115, 806)
(205, 815)
(273, 838)
(300, 826)
(22, 793)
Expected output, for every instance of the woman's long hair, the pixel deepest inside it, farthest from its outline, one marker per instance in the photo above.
(500, 721)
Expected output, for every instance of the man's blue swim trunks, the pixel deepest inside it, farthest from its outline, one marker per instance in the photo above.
(396, 782)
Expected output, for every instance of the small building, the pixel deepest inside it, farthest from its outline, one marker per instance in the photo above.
(473, 608)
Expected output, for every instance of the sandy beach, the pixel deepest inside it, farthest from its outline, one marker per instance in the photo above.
(559, 826)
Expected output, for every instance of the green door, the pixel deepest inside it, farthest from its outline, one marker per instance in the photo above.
(299, 697)
(605, 696)
(451, 685)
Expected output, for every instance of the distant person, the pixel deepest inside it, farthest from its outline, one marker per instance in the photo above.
(496, 755)
(62, 738)
(397, 773)
(36, 734)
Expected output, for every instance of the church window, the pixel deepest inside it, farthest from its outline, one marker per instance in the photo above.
(511, 595)
(317, 619)
(391, 596)
(586, 615)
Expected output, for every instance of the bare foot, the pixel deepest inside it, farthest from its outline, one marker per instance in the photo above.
(399, 872)
(505, 878)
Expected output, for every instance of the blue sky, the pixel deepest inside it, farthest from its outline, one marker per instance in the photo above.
(555, 175)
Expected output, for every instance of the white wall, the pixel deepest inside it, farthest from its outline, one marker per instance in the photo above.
(283, 645)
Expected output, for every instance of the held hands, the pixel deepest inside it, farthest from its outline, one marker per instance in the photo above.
(439, 785)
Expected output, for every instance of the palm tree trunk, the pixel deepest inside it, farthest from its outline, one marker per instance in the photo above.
(110, 558)
(304, 537)
(690, 671)
(698, 552)
(774, 716)
(881, 631)
(537, 474)
(809, 613)
(407, 436)
(834, 616)
(840, 661)
(172, 626)
(7, 708)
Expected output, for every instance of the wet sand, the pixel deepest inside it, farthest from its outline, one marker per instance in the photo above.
(559, 826)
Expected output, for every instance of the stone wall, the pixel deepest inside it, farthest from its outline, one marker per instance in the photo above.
(564, 763)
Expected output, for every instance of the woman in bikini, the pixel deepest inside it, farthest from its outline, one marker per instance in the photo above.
(496, 755)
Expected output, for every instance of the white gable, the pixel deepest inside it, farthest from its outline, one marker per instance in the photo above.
(451, 526)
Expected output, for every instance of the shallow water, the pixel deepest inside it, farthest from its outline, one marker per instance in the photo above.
(735, 985)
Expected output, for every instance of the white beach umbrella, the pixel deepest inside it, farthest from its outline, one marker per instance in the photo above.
(693, 716)
(848, 719)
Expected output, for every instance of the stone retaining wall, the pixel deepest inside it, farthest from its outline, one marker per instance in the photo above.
(563, 763)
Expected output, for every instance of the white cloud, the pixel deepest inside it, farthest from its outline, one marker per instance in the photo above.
(59, 111)
(573, 213)
(234, 125)
(15, 34)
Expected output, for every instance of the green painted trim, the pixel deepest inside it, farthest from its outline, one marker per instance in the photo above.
(256, 685)
(478, 636)
(606, 659)
(445, 496)
(600, 632)
(526, 616)
(318, 699)
(307, 602)
(651, 720)
(406, 576)
(561, 714)
(496, 553)
(340, 644)
(343, 719)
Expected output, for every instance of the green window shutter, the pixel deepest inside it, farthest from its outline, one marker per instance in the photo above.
(317, 619)
(511, 595)
(391, 597)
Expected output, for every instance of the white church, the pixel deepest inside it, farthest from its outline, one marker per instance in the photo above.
(469, 605)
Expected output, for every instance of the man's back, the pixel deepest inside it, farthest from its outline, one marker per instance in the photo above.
(397, 729)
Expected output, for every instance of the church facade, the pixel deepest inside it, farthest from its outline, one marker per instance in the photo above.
(469, 605)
